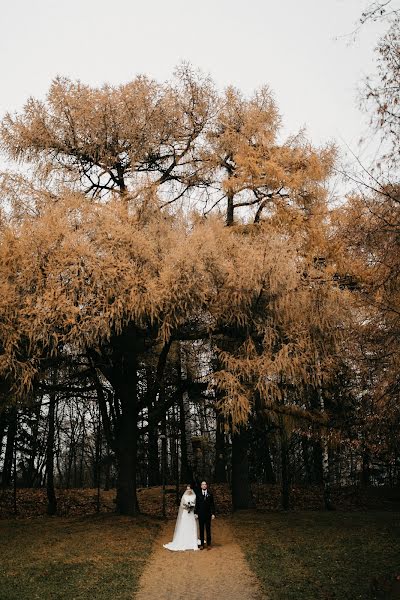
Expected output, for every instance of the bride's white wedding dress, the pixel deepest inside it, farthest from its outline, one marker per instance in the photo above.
(185, 534)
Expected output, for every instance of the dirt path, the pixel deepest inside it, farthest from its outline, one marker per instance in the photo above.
(220, 573)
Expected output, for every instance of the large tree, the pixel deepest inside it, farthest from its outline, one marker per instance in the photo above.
(99, 259)
(113, 283)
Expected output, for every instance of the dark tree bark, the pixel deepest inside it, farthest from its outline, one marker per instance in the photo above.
(153, 466)
(31, 471)
(366, 468)
(51, 495)
(8, 457)
(220, 450)
(305, 451)
(187, 470)
(318, 476)
(230, 209)
(285, 471)
(119, 363)
(269, 474)
(3, 426)
(154, 460)
(241, 490)
(126, 441)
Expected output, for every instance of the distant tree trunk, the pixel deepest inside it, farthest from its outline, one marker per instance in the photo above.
(31, 472)
(270, 476)
(186, 470)
(107, 470)
(154, 461)
(317, 472)
(8, 457)
(69, 468)
(15, 470)
(241, 490)
(187, 457)
(97, 471)
(2, 429)
(326, 473)
(285, 470)
(82, 454)
(172, 443)
(51, 495)
(220, 459)
(366, 468)
(166, 473)
(305, 452)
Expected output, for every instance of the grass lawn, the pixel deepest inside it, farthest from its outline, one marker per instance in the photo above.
(97, 558)
(321, 555)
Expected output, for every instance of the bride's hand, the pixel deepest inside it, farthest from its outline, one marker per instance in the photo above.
(195, 516)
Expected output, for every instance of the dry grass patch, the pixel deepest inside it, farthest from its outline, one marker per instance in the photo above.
(321, 555)
(99, 557)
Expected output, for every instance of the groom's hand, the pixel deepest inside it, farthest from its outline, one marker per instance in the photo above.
(195, 516)
(213, 516)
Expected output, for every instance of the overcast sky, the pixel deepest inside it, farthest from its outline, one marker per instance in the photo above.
(300, 48)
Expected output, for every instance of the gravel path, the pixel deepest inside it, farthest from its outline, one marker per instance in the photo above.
(220, 573)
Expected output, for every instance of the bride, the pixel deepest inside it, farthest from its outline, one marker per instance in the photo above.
(185, 534)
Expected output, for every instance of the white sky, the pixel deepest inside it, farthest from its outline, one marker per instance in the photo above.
(291, 45)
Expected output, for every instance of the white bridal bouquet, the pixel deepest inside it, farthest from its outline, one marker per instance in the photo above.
(189, 505)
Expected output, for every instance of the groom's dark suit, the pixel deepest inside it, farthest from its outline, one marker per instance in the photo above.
(205, 508)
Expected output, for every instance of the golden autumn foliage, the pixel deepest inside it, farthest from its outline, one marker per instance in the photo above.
(367, 230)
(86, 252)
(116, 242)
(180, 138)
(78, 273)
(138, 134)
(255, 168)
(300, 329)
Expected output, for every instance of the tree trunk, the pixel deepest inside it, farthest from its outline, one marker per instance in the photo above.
(241, 491)
(366, 468)
(82, 455)
(8, 457)
(220, 460)
(51, 495)
(2, 429)
(187, 457)
(127, 440)
(32, 474)
(285, 471)
(154, 462)
(305, 450)
(230, 209)
(326, 473)
(318, 476)
(269, 474)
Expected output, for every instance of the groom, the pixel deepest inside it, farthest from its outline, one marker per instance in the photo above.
(205, 511)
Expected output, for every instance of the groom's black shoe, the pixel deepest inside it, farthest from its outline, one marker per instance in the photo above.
(201, 547)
